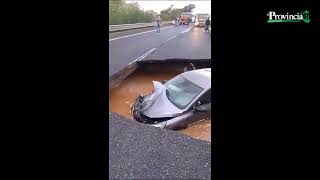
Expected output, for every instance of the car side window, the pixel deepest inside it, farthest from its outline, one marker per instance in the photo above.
(206, 97)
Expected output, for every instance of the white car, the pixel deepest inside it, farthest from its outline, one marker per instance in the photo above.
(176, 103)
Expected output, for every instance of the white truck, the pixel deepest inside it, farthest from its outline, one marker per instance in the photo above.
(200, 19)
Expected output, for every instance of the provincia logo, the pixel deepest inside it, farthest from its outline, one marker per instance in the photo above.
(299, 17)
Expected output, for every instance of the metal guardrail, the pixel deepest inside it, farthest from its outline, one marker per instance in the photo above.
(120, 27)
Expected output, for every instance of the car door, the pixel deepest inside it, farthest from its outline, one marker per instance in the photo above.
(198, 115)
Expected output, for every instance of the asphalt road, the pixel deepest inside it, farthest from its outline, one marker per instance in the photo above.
(195, 44)
(113, 35)
(173, 42)
(138, 151)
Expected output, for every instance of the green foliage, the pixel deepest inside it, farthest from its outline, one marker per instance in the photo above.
(189, 8)
(123, 13)
(170, 14)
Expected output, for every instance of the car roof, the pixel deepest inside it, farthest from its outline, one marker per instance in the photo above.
(200, 77)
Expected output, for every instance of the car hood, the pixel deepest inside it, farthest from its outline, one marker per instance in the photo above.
(157, 105)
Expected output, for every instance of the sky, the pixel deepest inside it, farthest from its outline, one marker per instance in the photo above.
(202, 6)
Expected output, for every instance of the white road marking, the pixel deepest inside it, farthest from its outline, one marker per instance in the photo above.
(187, 30)
(171, 38)
(143, 56)
(136, 34)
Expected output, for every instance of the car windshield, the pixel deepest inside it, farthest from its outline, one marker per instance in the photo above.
(181, 92)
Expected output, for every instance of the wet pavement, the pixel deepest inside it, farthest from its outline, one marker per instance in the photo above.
(129, 48)
(193, 44)
(122, 97)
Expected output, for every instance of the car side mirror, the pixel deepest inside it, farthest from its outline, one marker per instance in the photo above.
(203, 107)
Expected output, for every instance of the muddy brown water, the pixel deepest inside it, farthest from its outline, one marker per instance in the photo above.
(124, 95)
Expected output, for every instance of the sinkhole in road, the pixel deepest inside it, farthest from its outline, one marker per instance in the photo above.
(138, 80)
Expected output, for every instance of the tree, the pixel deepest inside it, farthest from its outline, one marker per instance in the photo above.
(115, 10)
(170, 14)
(122, 13)
(189, 8)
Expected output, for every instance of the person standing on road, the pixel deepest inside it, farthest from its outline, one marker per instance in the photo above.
(207, 25)
(158, 24)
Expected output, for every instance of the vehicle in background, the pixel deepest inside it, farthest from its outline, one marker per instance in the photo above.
(176, 21)
(193, 19)
(184, 20)
(183, 100)
(200, 19)
(191, 16)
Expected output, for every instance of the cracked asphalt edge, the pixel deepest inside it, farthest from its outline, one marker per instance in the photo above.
(138, 151)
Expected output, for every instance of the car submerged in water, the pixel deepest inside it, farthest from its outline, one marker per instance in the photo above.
(175, 104)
